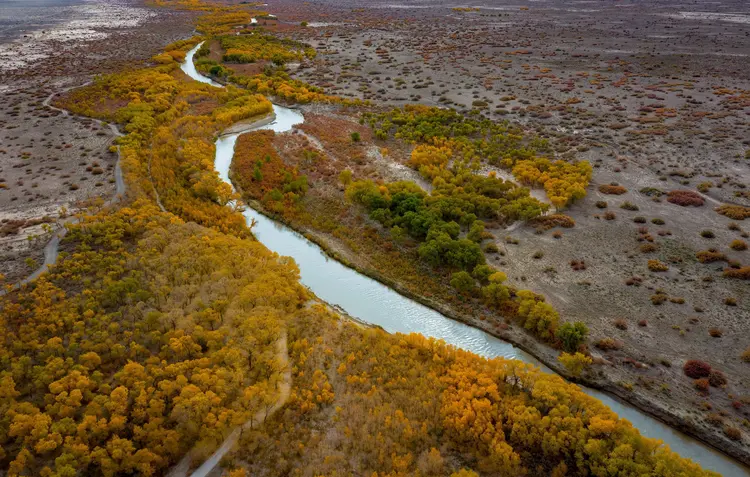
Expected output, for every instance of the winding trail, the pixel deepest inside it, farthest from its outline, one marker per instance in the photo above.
(284, 387)
(51, 250)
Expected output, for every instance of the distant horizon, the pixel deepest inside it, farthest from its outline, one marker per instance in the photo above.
(20, 16)
(38, 3)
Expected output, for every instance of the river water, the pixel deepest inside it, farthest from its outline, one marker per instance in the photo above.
(375, 303)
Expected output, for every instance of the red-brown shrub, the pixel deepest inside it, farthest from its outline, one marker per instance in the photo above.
(697, 369)
(547, 222)
(578, 265)
(634, 281)
(685, 198)
(702, 385)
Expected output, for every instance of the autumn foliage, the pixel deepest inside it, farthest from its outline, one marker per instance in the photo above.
(168, 149)
(123, 357)
(158, 332)
(742, 273)
(563, 182)
(444, 134)
(736, 212)
(406, 405)
(258, 46)
(696, 369)
(685, 198)
(612, 189)
(260, 173)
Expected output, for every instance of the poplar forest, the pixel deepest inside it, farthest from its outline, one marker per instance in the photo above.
(164, 325)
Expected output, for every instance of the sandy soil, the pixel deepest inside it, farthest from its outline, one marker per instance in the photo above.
(654, 97)
(655, 341)
(52, 164)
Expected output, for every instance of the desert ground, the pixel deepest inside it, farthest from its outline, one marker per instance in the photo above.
(51, 163)
(656, 98)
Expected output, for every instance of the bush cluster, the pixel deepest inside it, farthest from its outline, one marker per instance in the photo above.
(696, 369)
(612, 189)
(685, 198)
(735, 212)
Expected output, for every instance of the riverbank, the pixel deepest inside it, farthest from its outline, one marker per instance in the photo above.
(638, 104)
(520, 338)
(546, 356)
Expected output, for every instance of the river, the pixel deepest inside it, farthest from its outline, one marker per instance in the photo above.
(375, 303)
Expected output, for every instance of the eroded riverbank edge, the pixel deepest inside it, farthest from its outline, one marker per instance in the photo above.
(547, 356)
(639, 416)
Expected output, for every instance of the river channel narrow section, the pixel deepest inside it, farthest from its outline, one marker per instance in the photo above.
(375, 303)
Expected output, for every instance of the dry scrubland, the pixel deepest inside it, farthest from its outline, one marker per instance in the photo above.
(52, 164)
(656, 102)
(126, 356)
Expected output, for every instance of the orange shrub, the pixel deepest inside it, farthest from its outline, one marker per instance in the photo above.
(740, 273)
(736, 212)
(657, 266)
(612, 189)
(710, 256)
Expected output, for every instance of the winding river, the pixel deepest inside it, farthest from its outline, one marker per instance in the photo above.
(375, 303)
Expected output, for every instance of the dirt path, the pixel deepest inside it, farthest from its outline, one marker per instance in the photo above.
(181, 469)
(119, 181)
(51, 249)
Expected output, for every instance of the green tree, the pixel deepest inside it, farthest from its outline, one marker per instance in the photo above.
(482, 272)
(463, 282)
(572, 335)
(495, 294)
(476, 231)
